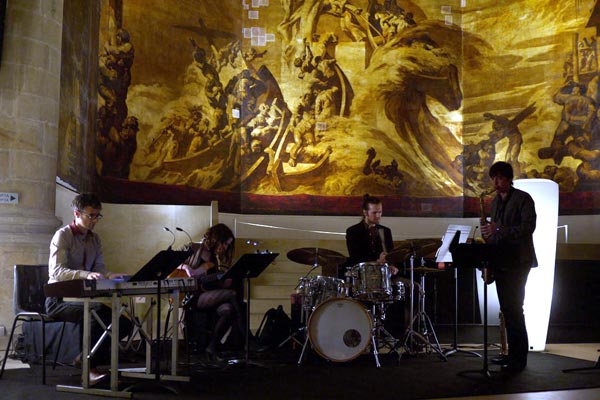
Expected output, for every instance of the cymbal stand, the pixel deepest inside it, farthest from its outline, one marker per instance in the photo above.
(424, 325)
(305, 315)
(301, 330)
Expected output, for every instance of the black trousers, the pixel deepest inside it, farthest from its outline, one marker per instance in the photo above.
(510, 285)
(73, 312)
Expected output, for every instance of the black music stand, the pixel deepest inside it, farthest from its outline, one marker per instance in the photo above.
(157, 269)
(160, 266)
(475, 255)
(444, 256)
(248, 266)
(596, 367)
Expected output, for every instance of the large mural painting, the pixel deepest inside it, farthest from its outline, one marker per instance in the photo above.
(302, 106)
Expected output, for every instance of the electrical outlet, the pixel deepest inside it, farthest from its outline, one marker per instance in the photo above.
(2, 330)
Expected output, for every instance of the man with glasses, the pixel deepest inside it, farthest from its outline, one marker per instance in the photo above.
(76, 253)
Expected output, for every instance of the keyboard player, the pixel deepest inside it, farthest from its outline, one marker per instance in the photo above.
(76, 253)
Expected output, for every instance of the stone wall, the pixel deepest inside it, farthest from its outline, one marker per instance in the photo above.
(29, 101)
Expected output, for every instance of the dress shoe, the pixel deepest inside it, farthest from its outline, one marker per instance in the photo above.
(513, 367)
(500, 359)
(96, 377)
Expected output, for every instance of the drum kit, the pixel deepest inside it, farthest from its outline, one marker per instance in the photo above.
(343, 317)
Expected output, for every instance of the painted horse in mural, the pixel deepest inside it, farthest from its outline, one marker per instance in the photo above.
(416, 83)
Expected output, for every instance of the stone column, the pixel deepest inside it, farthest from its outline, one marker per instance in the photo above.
(29, 102)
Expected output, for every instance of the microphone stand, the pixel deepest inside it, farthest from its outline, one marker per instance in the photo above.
(188, 235)
(171, 232)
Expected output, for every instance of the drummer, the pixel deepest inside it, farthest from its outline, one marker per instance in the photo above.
(368, 241)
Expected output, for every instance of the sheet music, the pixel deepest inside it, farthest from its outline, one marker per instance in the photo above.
(444, 254)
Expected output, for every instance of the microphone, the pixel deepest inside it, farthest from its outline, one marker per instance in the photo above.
(171, 232)
(188, 235)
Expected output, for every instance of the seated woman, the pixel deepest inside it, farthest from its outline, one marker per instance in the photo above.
(212, 255)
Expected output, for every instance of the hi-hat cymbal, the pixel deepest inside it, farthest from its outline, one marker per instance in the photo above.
(425, 248)
(315, 256)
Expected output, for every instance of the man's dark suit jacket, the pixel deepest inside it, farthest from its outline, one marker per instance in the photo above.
(359, 243)
(516, 219)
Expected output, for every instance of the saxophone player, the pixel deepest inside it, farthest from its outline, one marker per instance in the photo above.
(513, 220)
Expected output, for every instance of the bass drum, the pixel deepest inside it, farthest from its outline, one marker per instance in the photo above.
(340, 329)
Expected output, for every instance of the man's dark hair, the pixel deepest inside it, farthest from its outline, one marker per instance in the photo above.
(368, 199)
(502, 168)
(83, 200)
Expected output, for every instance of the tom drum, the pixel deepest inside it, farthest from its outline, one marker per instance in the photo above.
(371, 282)
(317, 289)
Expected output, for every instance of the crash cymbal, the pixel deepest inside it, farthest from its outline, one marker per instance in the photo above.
(425, 248)
(315, 255)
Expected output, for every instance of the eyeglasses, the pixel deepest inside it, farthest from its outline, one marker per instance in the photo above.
(92, 216)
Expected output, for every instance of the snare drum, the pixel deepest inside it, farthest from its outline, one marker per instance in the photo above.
(317, 289)
(340, 329)
(371, 282)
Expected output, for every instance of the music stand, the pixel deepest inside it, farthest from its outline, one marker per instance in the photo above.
(475, 255)
(160, 266)
(445, 257)
(248, 266)
(157, 269)
(595, 367)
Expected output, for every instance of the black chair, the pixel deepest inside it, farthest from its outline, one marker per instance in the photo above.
(29, 306)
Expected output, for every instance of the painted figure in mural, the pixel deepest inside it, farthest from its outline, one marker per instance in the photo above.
(198, 128)
(587, 54)
(389, 173)
(118, 148)
(300, 19)
(304, 134)
(116, 136)
(245, 89)
(115, 75)
(565, 177)
(352, 22)
(503, 127)
(328, 87)
(392, 24)
(574, 132)
(513, 221)
(213, 87)
(76, 253)
(213, 256)
(228, 55)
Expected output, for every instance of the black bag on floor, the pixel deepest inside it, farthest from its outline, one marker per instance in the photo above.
(274, 327)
